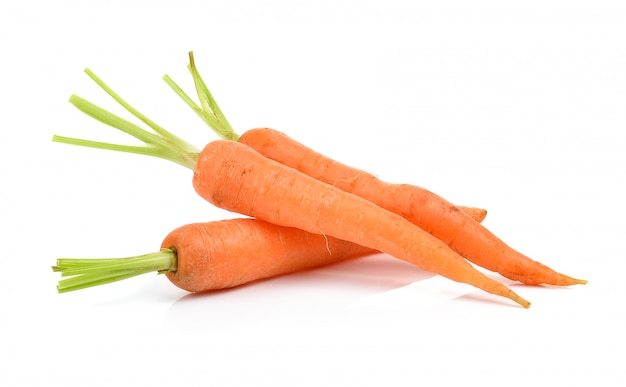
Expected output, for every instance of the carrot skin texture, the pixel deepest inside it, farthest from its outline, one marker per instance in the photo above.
(420, 206)
(228, 253)
(235, 177)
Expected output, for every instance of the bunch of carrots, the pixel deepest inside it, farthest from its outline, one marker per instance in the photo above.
(303, 210)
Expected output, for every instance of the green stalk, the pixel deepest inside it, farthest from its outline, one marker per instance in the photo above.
(157, 143)
(171, 138)
(188, 160)
(208, 111)
(85, 273)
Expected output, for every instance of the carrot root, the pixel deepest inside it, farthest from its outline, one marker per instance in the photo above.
(215, 255)
(236, 178)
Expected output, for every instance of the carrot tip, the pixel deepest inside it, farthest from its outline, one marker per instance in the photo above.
(513, 296)
(523, 302)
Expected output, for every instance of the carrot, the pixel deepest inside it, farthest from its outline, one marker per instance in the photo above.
(420, 206)
(235, 177)
(215, 255)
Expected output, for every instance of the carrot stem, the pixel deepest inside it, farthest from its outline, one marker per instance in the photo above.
(168, 136)
(208, 110)
(159, 143)
(86, 273)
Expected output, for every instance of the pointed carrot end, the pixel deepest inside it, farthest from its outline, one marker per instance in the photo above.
(524, 303)
(569, 281)
(513, 296)
(563, 280)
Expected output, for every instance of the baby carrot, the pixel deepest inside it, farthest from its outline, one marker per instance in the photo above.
(215, 255)
(235, 177)
(420, 206)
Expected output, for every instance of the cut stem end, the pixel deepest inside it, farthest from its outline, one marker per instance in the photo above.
(85, 273)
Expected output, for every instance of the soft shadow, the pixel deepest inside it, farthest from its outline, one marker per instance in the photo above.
(320, 293)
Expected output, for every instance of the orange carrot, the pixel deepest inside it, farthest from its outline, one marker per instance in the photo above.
(235, 177)
(476, 213)
(420, 206)
(216, 255)
(245, 250)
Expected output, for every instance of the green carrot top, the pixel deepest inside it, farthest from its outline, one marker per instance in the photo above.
(159, 142)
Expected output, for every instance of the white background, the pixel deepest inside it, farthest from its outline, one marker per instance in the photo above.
(517, 107)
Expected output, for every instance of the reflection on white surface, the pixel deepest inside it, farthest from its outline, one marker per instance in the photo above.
(417, 296)
(308, 295)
